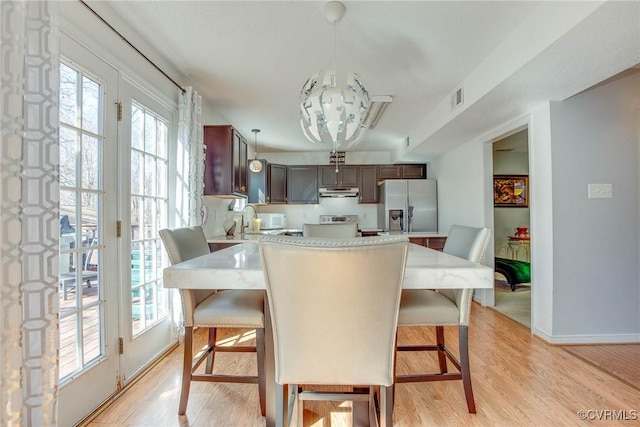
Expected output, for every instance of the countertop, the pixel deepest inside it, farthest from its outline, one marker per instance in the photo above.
(254, 237)
(239, 267)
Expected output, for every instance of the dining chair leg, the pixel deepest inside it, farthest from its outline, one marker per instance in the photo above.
(186, 369)
(262, 383)
(211, 349)
(442, 358)
(463, 335)
(297, 404)
(282, 405)
(386, 406)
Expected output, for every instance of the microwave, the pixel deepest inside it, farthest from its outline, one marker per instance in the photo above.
(272, 221)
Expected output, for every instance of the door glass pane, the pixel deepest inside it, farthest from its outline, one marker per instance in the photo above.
(68, 157)
(90, 105)
(149, 178)
(68, 95)
(82, 303)
(90, 152)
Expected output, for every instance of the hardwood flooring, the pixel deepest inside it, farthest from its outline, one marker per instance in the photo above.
(621, 361)
(518, 380)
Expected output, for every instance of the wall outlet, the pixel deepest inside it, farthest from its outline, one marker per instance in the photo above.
(600, 191)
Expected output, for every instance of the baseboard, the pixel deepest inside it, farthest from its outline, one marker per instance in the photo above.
(589, 339)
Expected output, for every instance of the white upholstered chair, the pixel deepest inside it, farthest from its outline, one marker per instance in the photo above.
(214, 309)
(334, 307)
(446, 307)
(346, 230)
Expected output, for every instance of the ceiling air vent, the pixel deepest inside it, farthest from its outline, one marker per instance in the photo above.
(457, 99)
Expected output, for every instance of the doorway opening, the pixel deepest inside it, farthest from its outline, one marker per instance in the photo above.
(511, 227)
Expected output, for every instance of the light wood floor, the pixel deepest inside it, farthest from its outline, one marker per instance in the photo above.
(518, 380)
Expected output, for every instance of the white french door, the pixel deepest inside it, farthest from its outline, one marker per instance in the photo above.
(88, 297)
(115, 315)
(147, 129)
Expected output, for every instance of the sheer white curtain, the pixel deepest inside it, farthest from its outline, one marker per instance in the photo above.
(189, 173)
(29, 194)
(190, 160)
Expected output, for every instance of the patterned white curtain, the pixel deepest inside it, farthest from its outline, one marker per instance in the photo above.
(29, 46)
(190, 160)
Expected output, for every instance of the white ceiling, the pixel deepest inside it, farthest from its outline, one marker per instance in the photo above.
(249, 60)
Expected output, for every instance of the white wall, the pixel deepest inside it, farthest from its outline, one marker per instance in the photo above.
(595, 139)
(541, 220)
(460, 176)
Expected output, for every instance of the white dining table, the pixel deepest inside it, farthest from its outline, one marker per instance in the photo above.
(240, 267)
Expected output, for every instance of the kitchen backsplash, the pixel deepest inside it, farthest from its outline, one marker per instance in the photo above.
(217, 212)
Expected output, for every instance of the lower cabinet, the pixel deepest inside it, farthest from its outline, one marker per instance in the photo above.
(220, 245)
(436, 243)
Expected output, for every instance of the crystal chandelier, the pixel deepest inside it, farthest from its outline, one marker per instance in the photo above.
(333, 108)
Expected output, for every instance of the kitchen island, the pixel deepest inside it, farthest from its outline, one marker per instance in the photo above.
(240, 267)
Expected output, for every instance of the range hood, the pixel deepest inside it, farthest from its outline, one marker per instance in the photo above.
(338, 192)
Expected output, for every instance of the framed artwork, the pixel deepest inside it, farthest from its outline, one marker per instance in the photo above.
(511, 191)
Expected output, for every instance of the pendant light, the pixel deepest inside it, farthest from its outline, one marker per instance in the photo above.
(255, 165)
(333, 106)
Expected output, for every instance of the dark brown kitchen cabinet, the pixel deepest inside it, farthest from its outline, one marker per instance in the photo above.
(390, 172)
(414, 171)
(403, 171)
(436, 243)
(219, 245)
(225, 165)
(277, 184)
(269, 185)
(302, 184)
(347, 176)
(368, 183)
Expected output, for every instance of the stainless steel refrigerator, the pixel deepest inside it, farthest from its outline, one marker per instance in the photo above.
(408, 205)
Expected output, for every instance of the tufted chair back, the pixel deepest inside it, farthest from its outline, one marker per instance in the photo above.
(334, 307)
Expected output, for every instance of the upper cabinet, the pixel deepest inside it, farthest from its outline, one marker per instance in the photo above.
(269, 185)
(414, 171)
(390, 172)
(403, 171)
(277, 184)
(296, 184)
(347, 176)
(225, 165)
(368, 183)
(302, 184)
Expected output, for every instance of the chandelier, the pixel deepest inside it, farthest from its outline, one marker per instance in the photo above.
(334, 107)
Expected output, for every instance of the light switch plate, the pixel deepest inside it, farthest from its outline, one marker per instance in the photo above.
(600, 191)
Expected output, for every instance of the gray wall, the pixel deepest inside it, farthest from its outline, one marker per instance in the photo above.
(585, 252)
(594, 139)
